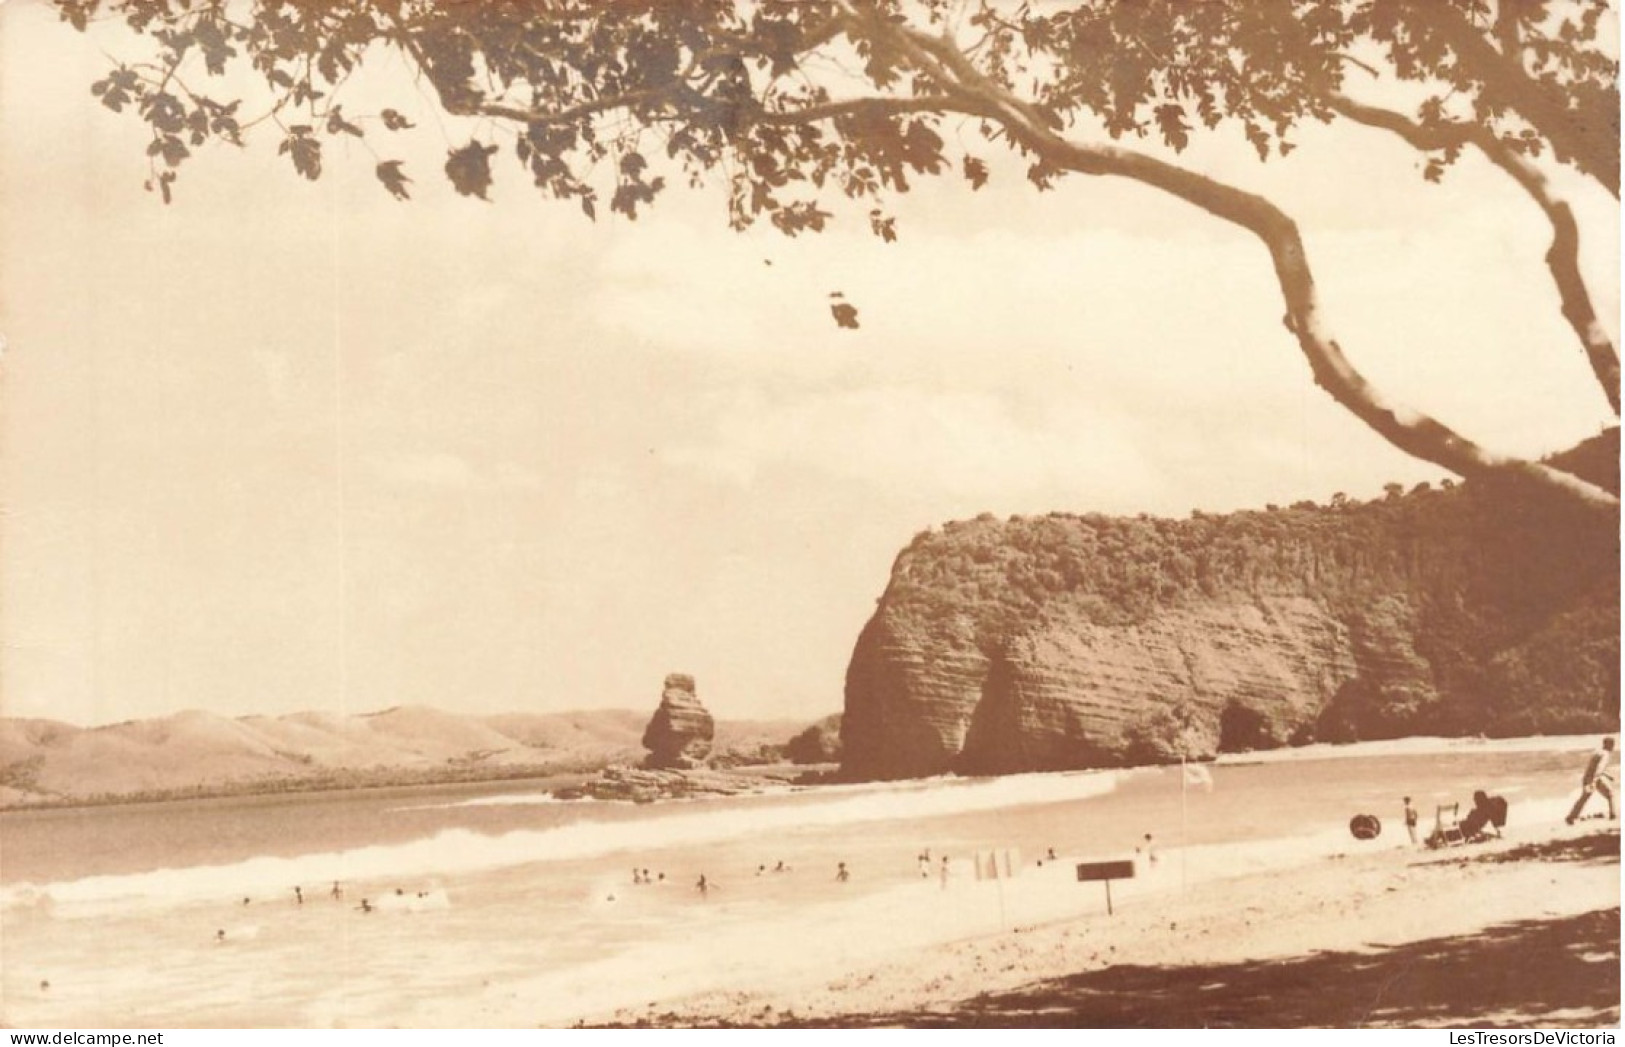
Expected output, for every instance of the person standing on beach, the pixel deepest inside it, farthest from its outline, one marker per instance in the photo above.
(1596, 780)
(704, 886)
(337, 892)
(1150, 850)
(1410, 820)
(945, 872)
(299, 896)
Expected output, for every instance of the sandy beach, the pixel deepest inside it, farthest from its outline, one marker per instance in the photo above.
(1523, 931)
(502, 911)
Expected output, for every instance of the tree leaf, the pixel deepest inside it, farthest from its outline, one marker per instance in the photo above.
(975, 172)
(305, 151)
(845, 313)
(469, 169)
(389, 172)
(1171, 122)
(336, 124)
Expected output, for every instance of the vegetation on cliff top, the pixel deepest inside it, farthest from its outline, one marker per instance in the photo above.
(1511, 600)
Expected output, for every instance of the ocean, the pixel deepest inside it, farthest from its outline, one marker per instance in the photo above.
(491, 901)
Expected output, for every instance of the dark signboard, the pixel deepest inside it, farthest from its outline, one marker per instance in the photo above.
(1088, 871)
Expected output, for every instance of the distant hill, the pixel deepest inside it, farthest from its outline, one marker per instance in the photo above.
(1069, 641)
(198, 753)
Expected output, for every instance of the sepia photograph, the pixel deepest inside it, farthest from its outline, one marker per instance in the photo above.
(809, 514)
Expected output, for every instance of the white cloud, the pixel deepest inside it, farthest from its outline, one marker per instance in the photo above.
(955, 443)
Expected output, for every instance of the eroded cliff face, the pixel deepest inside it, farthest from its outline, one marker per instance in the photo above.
(1067, 642)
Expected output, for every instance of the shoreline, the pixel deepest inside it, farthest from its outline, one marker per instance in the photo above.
(820, 774)
(536, 929)
(550, 778)
(1343, 940)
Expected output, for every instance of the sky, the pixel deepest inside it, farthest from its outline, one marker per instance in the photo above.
(287, 445)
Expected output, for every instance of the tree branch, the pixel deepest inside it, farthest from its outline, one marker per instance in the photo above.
(458, 104)
(1412, 431)
(1562, 258)
(1595, 150)
(874, 107)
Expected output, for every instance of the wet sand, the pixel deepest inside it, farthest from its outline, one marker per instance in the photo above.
(1249, 927)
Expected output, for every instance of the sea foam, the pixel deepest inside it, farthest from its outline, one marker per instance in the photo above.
(453, 852)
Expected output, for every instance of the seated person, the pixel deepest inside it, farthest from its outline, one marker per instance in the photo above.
(1489, 814)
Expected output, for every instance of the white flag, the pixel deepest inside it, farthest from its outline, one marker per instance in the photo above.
(1198, 774)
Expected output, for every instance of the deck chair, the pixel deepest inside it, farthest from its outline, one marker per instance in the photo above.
(1447, 826)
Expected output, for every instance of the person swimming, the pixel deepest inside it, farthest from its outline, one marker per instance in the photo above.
(704, 886)
(366, 906)
(841, 873)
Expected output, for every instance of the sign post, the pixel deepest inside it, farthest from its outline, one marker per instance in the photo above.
(1106, 872)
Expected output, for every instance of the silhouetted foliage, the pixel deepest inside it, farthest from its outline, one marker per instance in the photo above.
(790, 106)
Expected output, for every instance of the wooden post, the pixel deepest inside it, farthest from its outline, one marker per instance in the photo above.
(1108, 884)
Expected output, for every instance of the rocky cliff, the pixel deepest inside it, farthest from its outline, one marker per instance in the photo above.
(1083, 641)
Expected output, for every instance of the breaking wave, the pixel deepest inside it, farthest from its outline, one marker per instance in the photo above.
(453, 852)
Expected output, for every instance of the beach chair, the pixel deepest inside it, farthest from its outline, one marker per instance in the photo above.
(1447, 830)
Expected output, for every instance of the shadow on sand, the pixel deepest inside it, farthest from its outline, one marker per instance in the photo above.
(1561, 971)
(1591, 849)
(1533, 972)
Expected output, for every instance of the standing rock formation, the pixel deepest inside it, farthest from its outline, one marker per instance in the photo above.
(820, 743)
(1065, 641)
(679, 735)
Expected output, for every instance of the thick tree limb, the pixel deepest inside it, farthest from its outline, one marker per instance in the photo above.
(965, 90)
(1412, 431)
(1562, 258)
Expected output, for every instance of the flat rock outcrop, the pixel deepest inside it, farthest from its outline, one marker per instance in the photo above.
(1067, 641)
(647, 785)
(680, 733)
